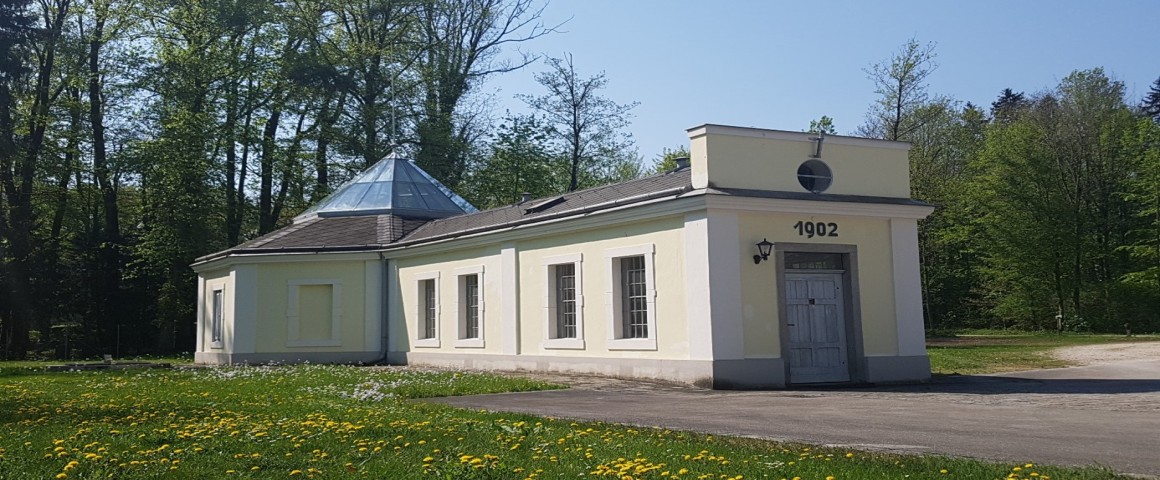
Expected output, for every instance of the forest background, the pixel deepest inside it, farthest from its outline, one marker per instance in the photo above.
(138, 135)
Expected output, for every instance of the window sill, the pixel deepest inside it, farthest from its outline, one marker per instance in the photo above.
(426, 343)
(314, 343)
(632, 344)
(563, 344)
(469, 343)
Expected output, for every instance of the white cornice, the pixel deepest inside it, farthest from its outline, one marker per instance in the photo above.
(712, 129)
(282, 257)
(813, 207)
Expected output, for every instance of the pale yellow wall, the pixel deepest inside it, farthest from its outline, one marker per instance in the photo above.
(406, 306)
(752, 161)
(669, 265)
(875, 278)
(214, 280)
(273, 287)
(664, 234)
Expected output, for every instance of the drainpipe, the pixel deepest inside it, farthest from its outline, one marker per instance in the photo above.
(385, 291)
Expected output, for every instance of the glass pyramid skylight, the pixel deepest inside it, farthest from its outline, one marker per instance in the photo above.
(393, 186)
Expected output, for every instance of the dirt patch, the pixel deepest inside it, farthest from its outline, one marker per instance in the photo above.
(1108, 353)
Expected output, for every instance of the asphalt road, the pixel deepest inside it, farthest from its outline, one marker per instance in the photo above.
(1106, 414)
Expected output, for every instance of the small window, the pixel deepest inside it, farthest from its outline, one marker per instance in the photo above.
(426, 310)
(632, 298)
(470, 300)
(429, 306)
(814, 176)
(814, 261)
(565, 276)
(564, 302)
(216, 318)
(471, 311)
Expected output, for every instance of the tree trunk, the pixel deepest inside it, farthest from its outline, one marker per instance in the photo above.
(233, 219)
(108, 293)
(268, 164)
(327, 119)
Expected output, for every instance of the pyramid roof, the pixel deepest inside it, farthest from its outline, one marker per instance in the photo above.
(393, 186)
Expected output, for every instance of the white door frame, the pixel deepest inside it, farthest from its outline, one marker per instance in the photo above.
(851, 314)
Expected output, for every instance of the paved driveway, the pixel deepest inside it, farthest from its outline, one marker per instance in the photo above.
(1107, 414)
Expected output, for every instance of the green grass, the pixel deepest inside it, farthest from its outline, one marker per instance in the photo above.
(998, 351)
(349, 422)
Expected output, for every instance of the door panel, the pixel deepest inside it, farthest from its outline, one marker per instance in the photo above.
(817, 329)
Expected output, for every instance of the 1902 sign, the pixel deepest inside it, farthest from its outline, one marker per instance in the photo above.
(816, 229)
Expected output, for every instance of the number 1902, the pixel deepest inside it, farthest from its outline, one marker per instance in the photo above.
(816, 229)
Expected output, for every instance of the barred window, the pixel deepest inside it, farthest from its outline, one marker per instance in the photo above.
(565, 300)
(633, 296)
(429, 308)
(471, 304)
(216, 317)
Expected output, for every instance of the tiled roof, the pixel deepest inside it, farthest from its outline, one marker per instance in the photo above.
(371, 232)
(606, 196)
(333, 233)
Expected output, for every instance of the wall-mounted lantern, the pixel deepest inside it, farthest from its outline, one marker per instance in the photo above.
(764, 247)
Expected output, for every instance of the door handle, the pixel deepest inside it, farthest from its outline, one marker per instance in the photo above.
(789, 324)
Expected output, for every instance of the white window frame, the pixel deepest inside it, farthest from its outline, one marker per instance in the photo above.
(461, 307)
(421, 304)
(217, 316)
(612, 297)
(292, 339)
(551, 342)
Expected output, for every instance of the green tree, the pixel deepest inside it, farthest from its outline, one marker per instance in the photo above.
(461, 40)
(587, 127)
(25, 139)
(1143, 282)
(941, 150)
(901, 85)
(823, 125)
(1008, 104)
(1056, 217)
(519, 162)
(1150, 105)
(666, 161)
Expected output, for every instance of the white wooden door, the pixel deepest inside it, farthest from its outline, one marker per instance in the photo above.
(817, 328)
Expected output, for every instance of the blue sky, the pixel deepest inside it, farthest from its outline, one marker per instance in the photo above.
(780, 64)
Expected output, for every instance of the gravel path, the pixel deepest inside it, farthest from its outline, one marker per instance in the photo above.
(1108, 353)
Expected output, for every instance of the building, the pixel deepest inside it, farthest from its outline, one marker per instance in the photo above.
(776, 258)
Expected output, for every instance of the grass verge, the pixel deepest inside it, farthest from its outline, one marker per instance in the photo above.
(347, 422)
(996, 352)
